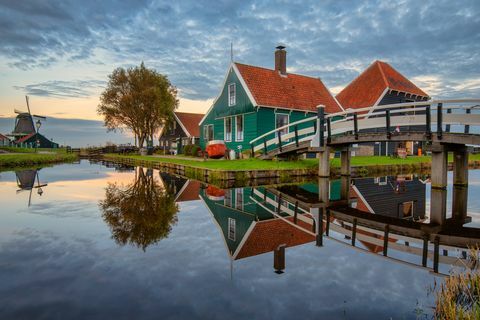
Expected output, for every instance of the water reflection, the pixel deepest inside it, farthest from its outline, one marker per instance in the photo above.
(141, 213)
(28, 180)
(381, 215)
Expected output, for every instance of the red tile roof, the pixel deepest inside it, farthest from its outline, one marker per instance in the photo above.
(268, 235)
(25, 138)
(368, 87)
(191, 122)
(190, 192)
(292, 91)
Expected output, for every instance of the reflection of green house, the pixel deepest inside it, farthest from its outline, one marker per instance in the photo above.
(248, 227)
(255, 100)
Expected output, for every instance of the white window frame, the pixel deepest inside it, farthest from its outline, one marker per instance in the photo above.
(206, 136)
(239, 195)
(288, 122)
(232, 226)
(236, 128)
(232, 99)
(228, 198)
(225, 136)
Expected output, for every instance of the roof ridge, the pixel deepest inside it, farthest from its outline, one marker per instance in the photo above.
(188, 112)
(273, 70)
(379, 64)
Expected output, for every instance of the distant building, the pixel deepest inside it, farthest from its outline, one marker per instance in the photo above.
(184, 130)
(4, 141)
(25, 132)
(381, 84)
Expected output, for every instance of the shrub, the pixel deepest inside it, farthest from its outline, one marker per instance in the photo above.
(194, 150)
(187, 149)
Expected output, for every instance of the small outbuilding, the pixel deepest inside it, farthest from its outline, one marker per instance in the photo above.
(183, 131)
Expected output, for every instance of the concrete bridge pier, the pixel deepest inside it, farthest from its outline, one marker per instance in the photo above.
(460, 166)
(324, 190)
(459, 204)
(439, 166)
(324, 162)
(345, 188)
(438, 206)
(345, 157)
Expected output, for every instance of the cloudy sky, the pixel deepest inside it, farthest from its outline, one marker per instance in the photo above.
(61, 52)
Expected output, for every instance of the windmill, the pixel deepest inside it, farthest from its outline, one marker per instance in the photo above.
(25, 124)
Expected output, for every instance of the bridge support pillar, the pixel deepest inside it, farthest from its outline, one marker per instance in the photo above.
(439, 166)
(345, 155)
(460, 166)
(323, 190)
(345, 188)
(459, 203)
(324, 162)
(438, 206)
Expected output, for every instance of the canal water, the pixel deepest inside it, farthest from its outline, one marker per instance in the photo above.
(95, 241)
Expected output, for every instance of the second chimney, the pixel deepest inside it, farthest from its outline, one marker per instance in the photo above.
(281, 59)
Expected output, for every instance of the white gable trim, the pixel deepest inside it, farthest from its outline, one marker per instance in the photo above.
(378, 100)
(242, 82)
(359, 194)
(182, 126)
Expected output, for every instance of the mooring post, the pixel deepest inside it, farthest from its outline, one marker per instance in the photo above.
(327, 228)
(387, 118)
(467, 127)
(428, 123)
(355, 125)
(345, 155)
(279, 259)
(329, 130)
(354, 231)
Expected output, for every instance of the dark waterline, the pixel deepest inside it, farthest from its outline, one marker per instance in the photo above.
(70, 255)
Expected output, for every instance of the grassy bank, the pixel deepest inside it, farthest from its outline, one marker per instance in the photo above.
(29, 159)
(257, 164)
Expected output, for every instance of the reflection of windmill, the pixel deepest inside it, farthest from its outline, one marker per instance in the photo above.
(27, 126)
(26, 182)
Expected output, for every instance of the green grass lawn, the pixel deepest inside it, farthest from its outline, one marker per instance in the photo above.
(30, 159)
(33, 150)
(257, 164)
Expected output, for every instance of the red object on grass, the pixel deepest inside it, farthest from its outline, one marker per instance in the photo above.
(216, 149)
(214, 193)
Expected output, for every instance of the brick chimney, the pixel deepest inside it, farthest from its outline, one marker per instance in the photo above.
(281, 59)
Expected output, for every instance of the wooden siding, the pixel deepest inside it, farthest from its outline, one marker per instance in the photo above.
(383, 199)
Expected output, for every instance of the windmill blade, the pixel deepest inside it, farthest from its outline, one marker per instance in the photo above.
(28, 105)
(41, 117)
(18, 111)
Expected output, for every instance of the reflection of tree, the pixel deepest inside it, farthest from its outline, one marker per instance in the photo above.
(141, 213)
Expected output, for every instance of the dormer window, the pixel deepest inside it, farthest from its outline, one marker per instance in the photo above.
(231, 94)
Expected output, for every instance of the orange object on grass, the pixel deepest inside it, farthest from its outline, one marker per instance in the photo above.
(216, 149)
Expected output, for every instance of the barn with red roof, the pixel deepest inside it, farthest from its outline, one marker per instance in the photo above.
(378, 85)
(254, 100)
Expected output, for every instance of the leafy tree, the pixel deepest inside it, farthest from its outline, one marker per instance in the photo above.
(139, 99)
(141, 213)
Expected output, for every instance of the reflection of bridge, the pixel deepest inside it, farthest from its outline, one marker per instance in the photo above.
(258, 220)
(445, 124)
(377, 233)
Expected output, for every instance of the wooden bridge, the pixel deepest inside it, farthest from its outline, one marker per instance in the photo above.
(448, 125)
(421, 241)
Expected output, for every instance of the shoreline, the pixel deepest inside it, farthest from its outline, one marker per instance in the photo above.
(246, 177)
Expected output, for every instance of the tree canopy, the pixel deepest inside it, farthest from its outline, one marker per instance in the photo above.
(139, 99)
(141, 213)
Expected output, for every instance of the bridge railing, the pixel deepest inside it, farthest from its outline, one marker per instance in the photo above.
(435, 116)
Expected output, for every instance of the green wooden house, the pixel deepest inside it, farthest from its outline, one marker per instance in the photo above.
(255, 100)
